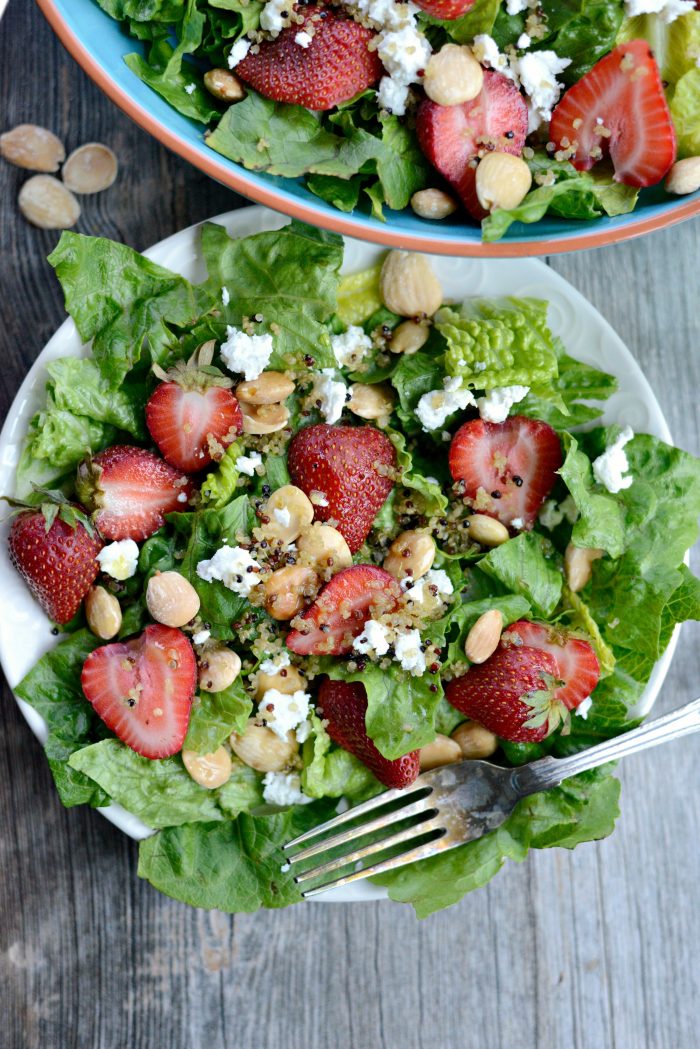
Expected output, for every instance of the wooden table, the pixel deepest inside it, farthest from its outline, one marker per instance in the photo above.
(595, 949)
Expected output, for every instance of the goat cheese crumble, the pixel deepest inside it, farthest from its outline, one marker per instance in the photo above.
(282, 515)
(434, 408)
(246, 464)
(238, 52)
(351, 346)
(535, 73)
(402, 49)
(583, 707)
(234, 567)
(190, 89)
(275, 664)
(225, 296)
(275, 15)
(494, 407)
(303, 39)
(120, 559)
(247, 355)
(409, 652)
(436, 577)
(330, 393)
(667, 10)
(283, 712)
(373, 639)
(284, 788)
(201, 637)
(610, 468)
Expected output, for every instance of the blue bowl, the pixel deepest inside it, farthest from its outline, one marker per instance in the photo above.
(99, 44)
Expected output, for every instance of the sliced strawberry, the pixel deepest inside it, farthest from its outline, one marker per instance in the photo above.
(510, 694)
(56, 556)
(352, 466)
(454, 137)
(508, 469)
(187, 425)
(143, 688)
(343, 706)
(619, 109)
(130, 490)
(336, 65)
(577, 664)
(329, 626)
(445, 9)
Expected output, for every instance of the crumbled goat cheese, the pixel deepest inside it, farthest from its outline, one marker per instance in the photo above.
(120, 559)
(433, 408)
(248, 355)
(225, 296)
(303, 39)
(272, 666)
(494, 407)
(318, 498)
(275, 16)
(610, 468)
(351, 346)
(330, 393)
(282, 712)
(486, 51)
(182, 497)
(238, 52)
(190, 89)
(404, 53)
(392, 96)
(283, 788)
(583, 707)
(523, 42)
(408, 652)
(234, 567)
(514, 7)
(517, 523)
(667, 10)
(246, 464)
(200, 637)
(435, 577)
(537, 73)
(303, 731)
(282, 515)
(373, 639)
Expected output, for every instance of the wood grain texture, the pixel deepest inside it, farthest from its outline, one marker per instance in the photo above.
(597, 949)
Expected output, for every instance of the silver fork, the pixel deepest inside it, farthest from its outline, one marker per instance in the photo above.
(457, 803)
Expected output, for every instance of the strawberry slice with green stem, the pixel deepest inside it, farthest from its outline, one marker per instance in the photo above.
(329, 626)
(506, 469)
(129, 491)
(192, 415)
(343, 706)
(352, 466)
(618, 109)
(54, 548)
(577, 663)
(453, 138)
(336, 65)
(142, 689)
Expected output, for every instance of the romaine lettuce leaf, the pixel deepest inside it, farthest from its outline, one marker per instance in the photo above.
(77, 385)
(527, 565)
(499, 342)
(685, 110)
(123, 302)
(432, 499)
(331, 772)
(581, 809)
(234, 866)
(52, 688)
(219, 486)
(215, 715)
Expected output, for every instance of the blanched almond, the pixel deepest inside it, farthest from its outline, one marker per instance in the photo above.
(90, 169)
(46, 203)
(577, 565)
(32, 147)
(408, 285)
(482, 640)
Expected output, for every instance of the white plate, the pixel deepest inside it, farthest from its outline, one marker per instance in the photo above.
(24, 630)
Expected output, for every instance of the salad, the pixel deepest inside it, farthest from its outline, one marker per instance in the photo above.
(508, 110)
(305, 535)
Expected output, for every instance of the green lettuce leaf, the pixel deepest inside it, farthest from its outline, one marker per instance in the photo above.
(52, 688)
(432, 499)
(685, 110)
(676, 45)
(561, 403)
(480, 18)
(290, 276)
(160, 792)
(215, 715)
(601, 522)
(77, 385)
(219, 486)
(234, 866)
(581, 809)
(499, 342)
(331, 772)
(122, 301)
(527, 565)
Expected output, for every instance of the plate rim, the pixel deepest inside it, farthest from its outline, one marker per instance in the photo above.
(120, 817)
(279, 200)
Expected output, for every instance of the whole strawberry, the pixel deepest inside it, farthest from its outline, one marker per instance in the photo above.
(192, 415)
(352, 467)
(445, 9)
(343, 706)
(330, 64)
(54, 548)
(536, 676)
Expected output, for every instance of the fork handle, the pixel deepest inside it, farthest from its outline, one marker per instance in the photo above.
(550, 772)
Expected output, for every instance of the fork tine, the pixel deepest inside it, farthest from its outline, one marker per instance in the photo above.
(357, 810)
(378, 823)
(403, 859)
(409, 834)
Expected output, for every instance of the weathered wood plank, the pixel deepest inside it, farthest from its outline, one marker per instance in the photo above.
(583, 950)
